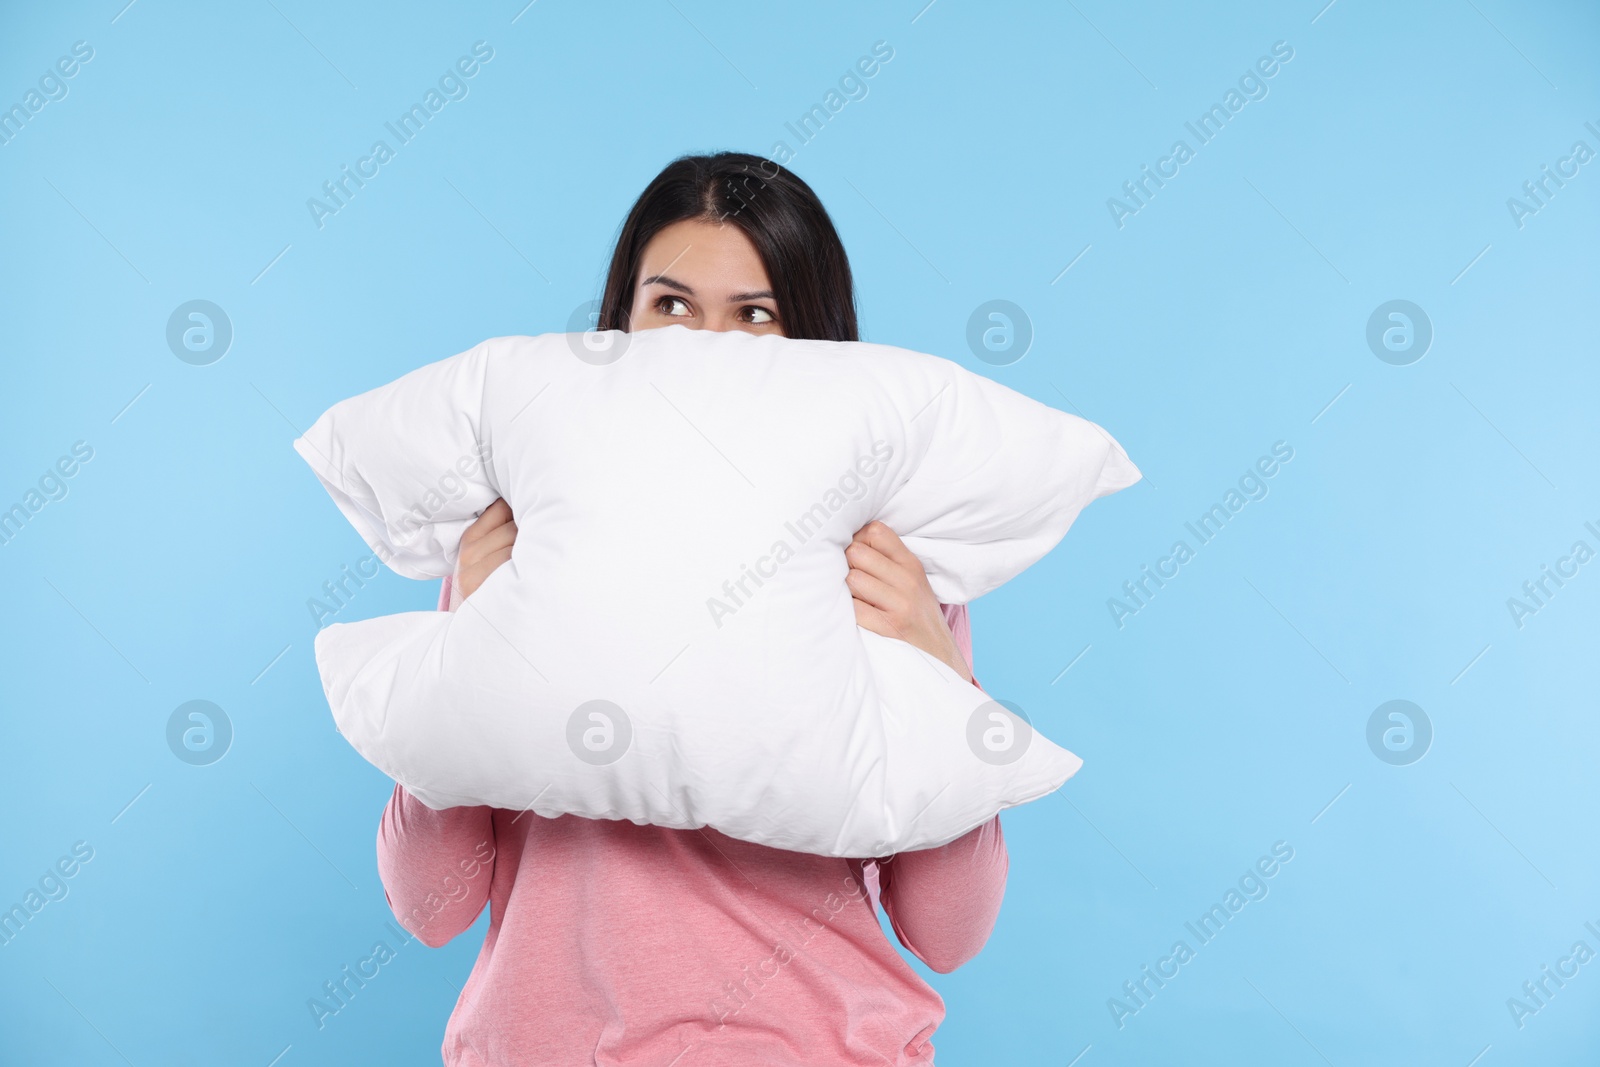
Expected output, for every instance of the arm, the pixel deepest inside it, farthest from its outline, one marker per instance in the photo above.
(943, 902)
(437, 866)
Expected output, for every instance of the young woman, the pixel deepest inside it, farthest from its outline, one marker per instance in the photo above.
(611, 943)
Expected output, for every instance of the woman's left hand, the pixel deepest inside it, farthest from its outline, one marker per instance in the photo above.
(892, 596)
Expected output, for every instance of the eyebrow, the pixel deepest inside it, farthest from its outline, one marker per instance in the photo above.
(673, 283)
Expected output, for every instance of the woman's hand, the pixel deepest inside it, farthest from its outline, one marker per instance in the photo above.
(892, 596)
(485, 546)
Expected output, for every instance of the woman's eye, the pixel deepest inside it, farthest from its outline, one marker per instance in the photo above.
(759, 316)
(664, 305)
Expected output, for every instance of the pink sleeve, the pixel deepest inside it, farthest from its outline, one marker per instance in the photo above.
(943, 902)
(436, 866)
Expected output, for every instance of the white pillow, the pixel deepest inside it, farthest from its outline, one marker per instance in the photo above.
(672, 640)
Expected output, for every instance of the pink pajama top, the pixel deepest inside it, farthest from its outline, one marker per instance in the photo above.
(613, 944)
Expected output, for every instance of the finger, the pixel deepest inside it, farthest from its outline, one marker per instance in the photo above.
(493, 516)
(862, 556)
(490, 522)
(875, 591)
(885, 540)
(899, 567)
(473, 577)
(500, 537)
(493, 561)
(870, 618)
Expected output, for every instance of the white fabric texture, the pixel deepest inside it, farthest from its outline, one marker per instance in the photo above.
(672, 641)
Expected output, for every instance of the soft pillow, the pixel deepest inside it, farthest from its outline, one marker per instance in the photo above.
(672, 641)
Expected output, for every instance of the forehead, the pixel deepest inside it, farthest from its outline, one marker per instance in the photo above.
(700, 253)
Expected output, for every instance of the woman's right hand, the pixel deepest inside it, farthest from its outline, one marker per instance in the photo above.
(485, 546)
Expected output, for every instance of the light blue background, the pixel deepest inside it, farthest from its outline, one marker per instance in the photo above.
(1228, 314)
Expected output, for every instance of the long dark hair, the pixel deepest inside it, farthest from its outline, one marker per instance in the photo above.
(782, 217)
